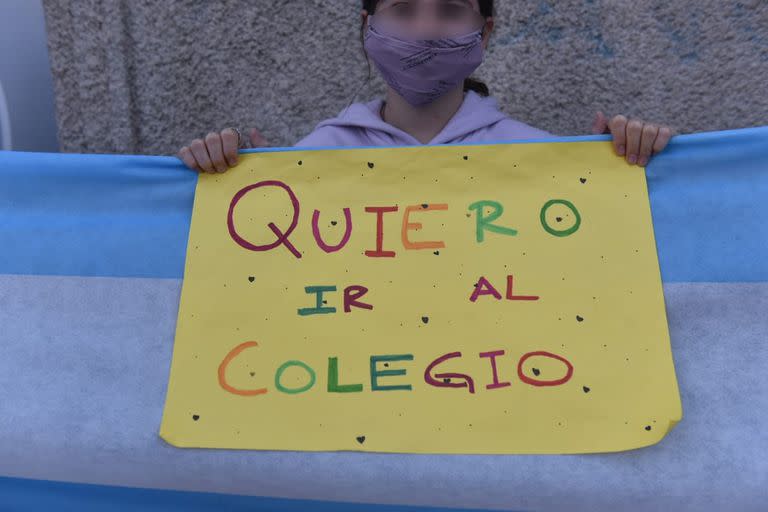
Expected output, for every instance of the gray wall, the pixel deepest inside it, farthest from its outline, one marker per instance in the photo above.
(25, 75)
(146, 76)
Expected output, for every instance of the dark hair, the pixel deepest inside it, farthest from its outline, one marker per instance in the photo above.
(470, 83)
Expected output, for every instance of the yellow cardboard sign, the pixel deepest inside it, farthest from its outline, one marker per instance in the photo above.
(499, 298)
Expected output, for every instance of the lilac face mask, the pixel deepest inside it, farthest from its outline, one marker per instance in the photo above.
(422, 70)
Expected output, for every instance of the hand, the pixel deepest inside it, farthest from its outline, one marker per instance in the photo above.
(218, 151)
(635, 139)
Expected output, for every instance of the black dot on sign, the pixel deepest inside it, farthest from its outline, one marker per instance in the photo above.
(469, 215)
(253, 374)
(386, 365)
(424, 205)
(466, 157)
(585, 388)
(251, 278)
(425, 319)
(583, 180)
(360, 439)
(559, 219)
(647, 427)
(300, 162)
(325, 302)
(333, 223)
(370, 166)
(536, 371)
(579, 318)
(447, 381)
(436, 253)
(195, 417)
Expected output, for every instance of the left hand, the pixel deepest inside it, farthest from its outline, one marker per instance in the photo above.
(633, 138)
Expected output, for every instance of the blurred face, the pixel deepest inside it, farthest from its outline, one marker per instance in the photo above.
(429, 19)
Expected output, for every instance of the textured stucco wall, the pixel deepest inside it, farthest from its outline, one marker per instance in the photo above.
(146, 76)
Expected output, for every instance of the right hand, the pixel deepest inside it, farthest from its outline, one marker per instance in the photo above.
(218, 151)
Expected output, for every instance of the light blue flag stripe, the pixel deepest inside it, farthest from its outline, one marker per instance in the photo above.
(128, 216)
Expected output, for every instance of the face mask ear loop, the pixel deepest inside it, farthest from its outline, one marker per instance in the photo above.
(359, 88)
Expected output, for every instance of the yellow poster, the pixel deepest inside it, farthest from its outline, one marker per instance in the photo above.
(499, 298)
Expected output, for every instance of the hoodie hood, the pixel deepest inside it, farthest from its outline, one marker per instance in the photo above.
(475, 112)
(477, 120)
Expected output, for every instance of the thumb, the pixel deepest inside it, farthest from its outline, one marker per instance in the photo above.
(257, 139)
(600, 124)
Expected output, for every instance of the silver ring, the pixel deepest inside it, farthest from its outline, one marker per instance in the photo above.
(239, 136)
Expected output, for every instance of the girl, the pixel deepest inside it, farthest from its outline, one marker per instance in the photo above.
(425, 51)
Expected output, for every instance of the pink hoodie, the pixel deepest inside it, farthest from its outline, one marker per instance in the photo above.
(478, 120)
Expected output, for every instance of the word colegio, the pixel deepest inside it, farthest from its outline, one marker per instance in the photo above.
(431, 375)
(487, 212)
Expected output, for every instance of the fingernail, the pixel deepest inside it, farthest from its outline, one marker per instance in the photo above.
(621, 150)
(632, 159)
(642, 161)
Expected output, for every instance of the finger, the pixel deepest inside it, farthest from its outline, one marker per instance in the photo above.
(201, 155)
(600, 124)
(189, 160)
(618, 127)
(229, 143)
(647, 139)
(634, 131)
(216, 151)
(665, 134)
(257, 139)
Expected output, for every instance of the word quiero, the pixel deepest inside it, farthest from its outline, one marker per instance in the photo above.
(484, 223)
(439, 380)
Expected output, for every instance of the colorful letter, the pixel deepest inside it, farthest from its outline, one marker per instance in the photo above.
(466, 380)
(537, 382)
(376, 373)
(333, 379)
(416, 226)
(484, 223)
(564, 232)
(492, 356)
(351, 294)
(484, 287)
(223, 372)
(344, 240)
(282, 238)
(293, 391)
(511, 296)
(380, 211)
(319, 309)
